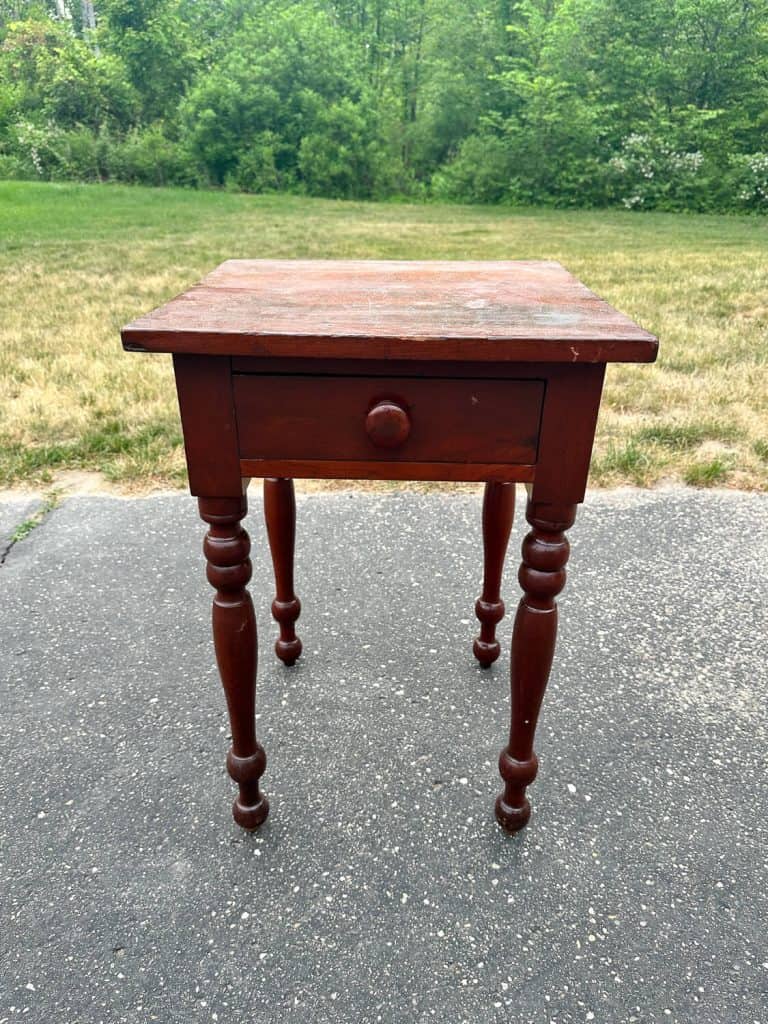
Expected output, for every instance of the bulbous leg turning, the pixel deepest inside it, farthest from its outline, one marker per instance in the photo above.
(498, 513)
(226, 548)
(513, 808)
(250, 807)
(280, 516)
(542, 577)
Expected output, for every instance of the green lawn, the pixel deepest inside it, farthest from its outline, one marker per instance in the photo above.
(78, 261)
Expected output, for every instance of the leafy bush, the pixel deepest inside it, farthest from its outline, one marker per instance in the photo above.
(481, 172)
(650, 173)
(84, 155)
(80, 88)
(147, 156)
(11, 167)
(750, 180)
(341, 157)
(57, 77)
(257, 167)
(50, 152)
(283, 76)
(144, 156)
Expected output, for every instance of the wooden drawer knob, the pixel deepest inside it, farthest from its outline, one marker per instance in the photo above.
(387, 424)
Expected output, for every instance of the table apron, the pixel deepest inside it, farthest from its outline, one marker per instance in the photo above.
(328, 469)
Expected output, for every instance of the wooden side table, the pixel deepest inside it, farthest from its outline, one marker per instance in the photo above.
(480, 371)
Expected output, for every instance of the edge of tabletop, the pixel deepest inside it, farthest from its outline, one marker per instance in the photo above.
(635, 347)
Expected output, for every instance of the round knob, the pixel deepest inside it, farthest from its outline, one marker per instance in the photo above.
(387, 424)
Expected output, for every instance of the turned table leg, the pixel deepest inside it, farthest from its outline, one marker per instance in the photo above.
(280, 515)
(227, 547)
(542, 577)
(498, 513)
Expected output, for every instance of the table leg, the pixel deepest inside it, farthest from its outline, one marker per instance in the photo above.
(280, 515)
(542, 577)
(227, 547)
(498, 513)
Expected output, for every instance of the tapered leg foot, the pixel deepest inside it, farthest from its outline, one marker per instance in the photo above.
(280, 515)
(542, 577)
(513, 808)
(498, 514)
(288, 646)
(250, 807)
(226, 548)
(488, 651)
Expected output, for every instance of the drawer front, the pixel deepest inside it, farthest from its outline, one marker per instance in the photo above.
(389, 419)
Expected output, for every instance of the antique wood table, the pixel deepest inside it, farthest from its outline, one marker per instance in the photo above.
(479, 371)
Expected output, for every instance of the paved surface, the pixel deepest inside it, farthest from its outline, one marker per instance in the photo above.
(381, 889)
(12, 514)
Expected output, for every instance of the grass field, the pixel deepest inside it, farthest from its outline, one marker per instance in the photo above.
(78, 261)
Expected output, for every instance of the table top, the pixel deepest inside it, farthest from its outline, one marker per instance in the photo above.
(528, 310)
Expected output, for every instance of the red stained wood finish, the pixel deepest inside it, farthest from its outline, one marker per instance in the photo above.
(498, 513)
(280, 517)
(426, 370)
(388, 424)
(346, 470)
(434, 420)
(542, 577)
(393, 309)
(227, 547)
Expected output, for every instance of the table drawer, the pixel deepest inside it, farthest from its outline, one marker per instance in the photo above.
(392, 419)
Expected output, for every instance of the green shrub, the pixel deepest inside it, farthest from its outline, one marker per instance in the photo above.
(341, 157)
(257, 167)
(84, 155)
(750, 180)
(481, 172)
(53, 153)
(649, 172)
(146, 156)
(11, 167)
(295, 73)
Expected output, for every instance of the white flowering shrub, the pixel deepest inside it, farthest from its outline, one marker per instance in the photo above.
(649, 172)
(42, 147)
(751, 180)
(50, 152)
(143, 155)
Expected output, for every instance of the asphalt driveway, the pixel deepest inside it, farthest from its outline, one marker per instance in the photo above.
(381, 889)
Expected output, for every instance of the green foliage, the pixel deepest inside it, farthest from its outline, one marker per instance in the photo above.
(146, 156)
(341, 157)
(257, 168)
(79, 87)
(52, 76)
(749, 175)
(53, 153)
(647, 104)
(288, 103)
(152, 39)
(481, 172)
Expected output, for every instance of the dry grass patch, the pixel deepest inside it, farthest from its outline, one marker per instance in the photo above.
(78, 261)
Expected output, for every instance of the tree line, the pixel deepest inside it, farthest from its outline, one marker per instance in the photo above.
(642, 103)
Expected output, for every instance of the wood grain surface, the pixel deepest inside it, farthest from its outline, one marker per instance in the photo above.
(381, 309)
(464, 421)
